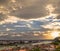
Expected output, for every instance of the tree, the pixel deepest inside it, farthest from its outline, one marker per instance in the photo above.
(56, 41)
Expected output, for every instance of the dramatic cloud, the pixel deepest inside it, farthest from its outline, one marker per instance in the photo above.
(32, 9)
(24, 19)
(24, 9)
(35, 10)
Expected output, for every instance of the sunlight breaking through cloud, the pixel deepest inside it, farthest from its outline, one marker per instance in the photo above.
(34, 19)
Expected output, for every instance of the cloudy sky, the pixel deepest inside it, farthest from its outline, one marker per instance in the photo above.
(29, 19)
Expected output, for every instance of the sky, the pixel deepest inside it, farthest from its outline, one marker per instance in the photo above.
(29, 19)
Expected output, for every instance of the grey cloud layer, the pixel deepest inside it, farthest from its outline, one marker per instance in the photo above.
(35, 10)
(28, 9)
(22, 26)
(12, 31)
(26, 30)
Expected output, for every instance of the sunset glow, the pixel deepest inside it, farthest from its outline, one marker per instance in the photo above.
(37, 19)
(55, 34)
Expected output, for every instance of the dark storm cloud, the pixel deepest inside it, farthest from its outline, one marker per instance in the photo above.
(28, 9)
(31, 10)
(35, 9)
(29, 13)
